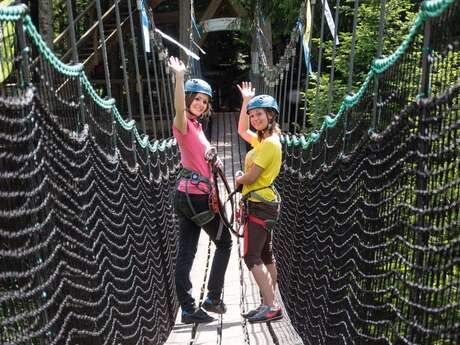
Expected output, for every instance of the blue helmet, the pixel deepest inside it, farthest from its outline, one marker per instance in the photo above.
(198, 85)
(263, 101)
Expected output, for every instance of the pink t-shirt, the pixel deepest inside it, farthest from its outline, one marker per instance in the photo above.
(193, 146)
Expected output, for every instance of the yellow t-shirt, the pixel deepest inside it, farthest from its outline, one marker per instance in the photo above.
(267, 155)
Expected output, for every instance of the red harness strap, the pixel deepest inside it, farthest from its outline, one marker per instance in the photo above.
(253, 219)
(257, 220)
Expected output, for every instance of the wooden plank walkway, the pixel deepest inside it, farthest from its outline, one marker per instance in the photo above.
(240, 291)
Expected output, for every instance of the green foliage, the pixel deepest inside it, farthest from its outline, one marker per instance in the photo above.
(60, 17)
(283, 15)
(399, 15)
(317, 95)
(60, 14)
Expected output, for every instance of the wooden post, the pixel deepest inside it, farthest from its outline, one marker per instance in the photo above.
(184, 26)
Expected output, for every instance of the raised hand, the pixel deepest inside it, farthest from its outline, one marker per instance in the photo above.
(246, 90)
(177, 66)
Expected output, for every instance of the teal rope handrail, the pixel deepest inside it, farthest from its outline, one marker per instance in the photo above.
(12, 13)
(18, 12)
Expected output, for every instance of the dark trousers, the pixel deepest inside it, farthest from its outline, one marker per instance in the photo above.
(258, 236)
(189, 234)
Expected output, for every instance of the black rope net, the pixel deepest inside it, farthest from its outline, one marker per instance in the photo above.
(368, 244)
(87, 240)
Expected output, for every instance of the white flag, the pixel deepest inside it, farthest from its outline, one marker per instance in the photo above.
(330, 20)
(186, 50)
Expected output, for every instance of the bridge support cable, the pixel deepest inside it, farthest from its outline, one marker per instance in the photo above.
(297, 92)
(102, 42)
(170, 95)
(353, 46)
(166, 92)
(24, 78)
(73, 42)
(316, 110)
(139, 86)
(291, 88)
(380, 42)
(350, 70)
(308, 66)
(283, 110)
(330, 93)
(155, 69)
(121, 47)
(144, 45)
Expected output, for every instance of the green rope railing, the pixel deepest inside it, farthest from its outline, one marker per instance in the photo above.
(19, 12)
(429, 9)
(12, 13)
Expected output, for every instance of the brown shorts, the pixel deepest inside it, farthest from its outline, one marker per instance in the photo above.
(257, 234)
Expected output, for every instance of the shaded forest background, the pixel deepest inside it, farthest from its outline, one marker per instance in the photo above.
(51, 18)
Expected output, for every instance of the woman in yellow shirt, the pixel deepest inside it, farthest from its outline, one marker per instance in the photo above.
(262, 166)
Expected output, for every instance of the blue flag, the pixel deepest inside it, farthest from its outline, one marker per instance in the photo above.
(145, 27)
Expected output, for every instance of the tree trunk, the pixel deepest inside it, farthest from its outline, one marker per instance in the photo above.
(45, 17)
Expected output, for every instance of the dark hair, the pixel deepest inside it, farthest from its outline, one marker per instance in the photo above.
(190, 96)
(273, 126)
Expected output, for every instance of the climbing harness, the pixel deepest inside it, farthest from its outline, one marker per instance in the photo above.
(217, 206)
(243, 216)
(255, 195)
(194, 178)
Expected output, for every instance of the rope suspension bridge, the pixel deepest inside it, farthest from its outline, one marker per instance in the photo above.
(368, 240)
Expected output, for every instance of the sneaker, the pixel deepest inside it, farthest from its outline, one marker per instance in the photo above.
(251, 313)
(266, 313)
(196, 316)
(214, 306)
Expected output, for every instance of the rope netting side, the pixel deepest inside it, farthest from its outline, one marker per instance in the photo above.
(87, 240)
(368, 244)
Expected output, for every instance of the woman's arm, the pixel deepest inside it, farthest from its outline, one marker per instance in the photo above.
(249, 176)
(247, 92)
(178, 68)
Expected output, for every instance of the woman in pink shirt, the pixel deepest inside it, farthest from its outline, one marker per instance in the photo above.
(191, 201)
